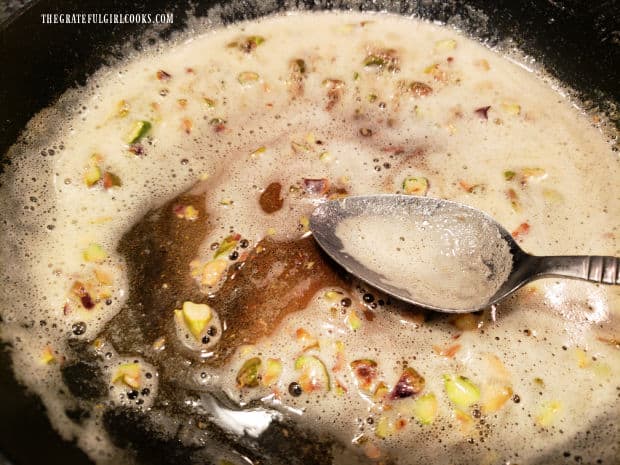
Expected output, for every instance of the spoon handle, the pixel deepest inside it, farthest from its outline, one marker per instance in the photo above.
(599, 269)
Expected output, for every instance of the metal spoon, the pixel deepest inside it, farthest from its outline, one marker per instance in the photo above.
(331, 226)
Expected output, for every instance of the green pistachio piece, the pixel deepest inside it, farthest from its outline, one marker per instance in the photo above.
(415, 186)
(314, 375)
(92, 175)
(94, 253)
(461, 391)
(227, 245)
(248, 374)
(374, 60)
(425, 408)
(138, 131)
(247, 77)
(196, 317)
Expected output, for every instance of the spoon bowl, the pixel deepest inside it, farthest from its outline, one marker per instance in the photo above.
(438, 254)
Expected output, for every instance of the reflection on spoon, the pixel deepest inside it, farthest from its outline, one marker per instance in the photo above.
(438, 254)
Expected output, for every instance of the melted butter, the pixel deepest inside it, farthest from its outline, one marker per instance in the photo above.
(444, 259)
(354, 126)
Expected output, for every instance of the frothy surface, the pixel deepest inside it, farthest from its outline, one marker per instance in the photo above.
(450, 259)
(324, 105)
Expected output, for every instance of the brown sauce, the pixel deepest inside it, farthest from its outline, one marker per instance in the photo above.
(275, 279)
(271, 200)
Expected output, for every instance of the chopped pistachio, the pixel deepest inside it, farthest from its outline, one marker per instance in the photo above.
(384, 428)
(210, 103)
(353, 321)
(259, 151)
(159, 344)
(187, 212)
(191, 213)
(538, 173)
(410, 383)
(213, 271)
(247, 77)
(217, 121)
(431, 69)
(356, 76)
(548, 413)
(511, 108)
(79, 290)
(419, 89)
(471, 188)
(381, 391)
(92, 175)
(581, 357)
(248, 375)
(187, 125)
(514, 200)
(601, 370)
(521, 231)
(461, 391)
(383, 58)
(314, 375)
(94, 253)
(445, 45)
(163, 75)
(425, 408)
(306, 339)
(273, 370)
(333, 296)
(101, 220)
(374, 60)
(255, 41)
(47, 356)
(129, 374)
(227, 245)
(300, 147)
(494, 396)
(122, 109)
(466, 322)
(448, 352)
(196, 317)
(484, 64)
(415, 185)
(103, 277)
(138, 131)
(325, 156)
(110, 180)
(552, 196)
(372, 97)
(465, 419)
(339, 345)
(509, 175)
(340, 389)
(365, 371)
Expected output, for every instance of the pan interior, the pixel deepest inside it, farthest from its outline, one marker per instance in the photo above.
(245, 134)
